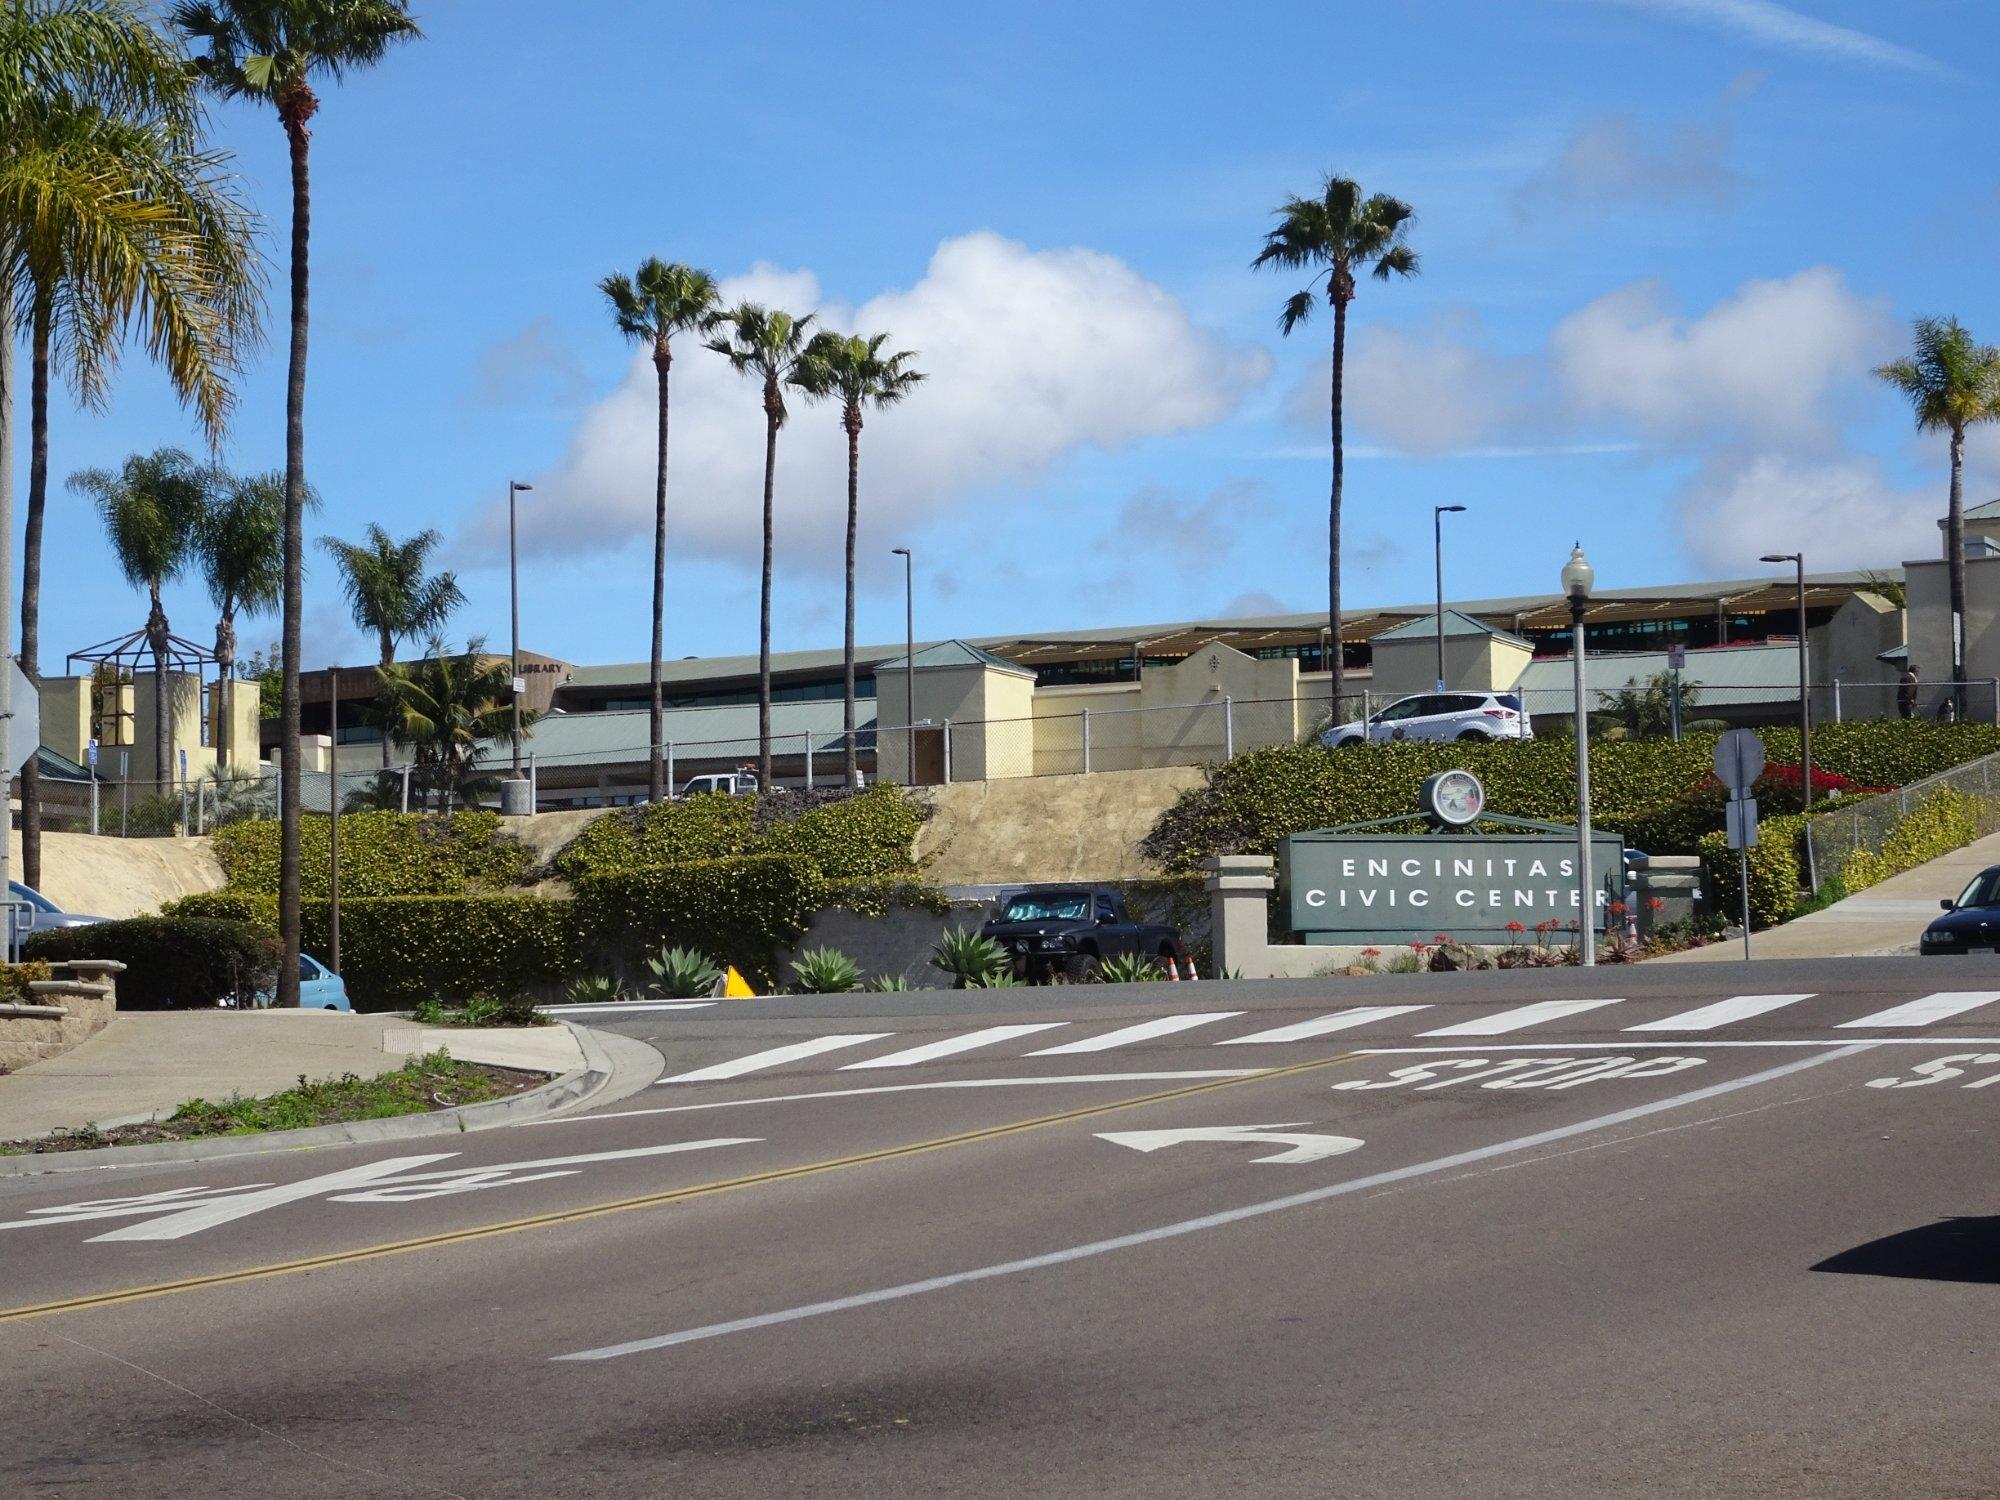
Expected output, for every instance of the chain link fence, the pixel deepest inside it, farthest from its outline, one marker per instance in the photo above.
(1867, 822)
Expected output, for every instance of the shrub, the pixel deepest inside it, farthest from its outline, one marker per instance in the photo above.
(738, 911)
(970, 957)
(1252, 801)
(1128, 968)
(172, 961)
(594, 989)
(887, 984)
(682, 974)
(381, 854)
(826, 971)
(1775, 866)
(15, 979)
(858, 837)
(1944, 821)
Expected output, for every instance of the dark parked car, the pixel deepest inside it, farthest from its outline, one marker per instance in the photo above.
(1971, 924)
(1067, 930)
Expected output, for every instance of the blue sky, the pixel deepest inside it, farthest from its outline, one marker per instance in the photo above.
(1663, 241)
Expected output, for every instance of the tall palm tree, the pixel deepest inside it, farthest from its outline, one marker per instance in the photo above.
(1952, 382)
(240, 543)
(390, 594)
(111, 213)
(1337, 235)
(448, 708)
(271, 51)
(854, 371)
(769, 345)
(152, 508)
(651, 307)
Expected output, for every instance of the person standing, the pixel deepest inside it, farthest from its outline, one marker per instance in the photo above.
(1906, 691)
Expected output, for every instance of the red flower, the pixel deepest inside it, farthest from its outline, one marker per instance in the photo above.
(1371, 952)
(1442, 938)
(1617, 907)
(1654, 903)
(1418, 946)
(1515, 927)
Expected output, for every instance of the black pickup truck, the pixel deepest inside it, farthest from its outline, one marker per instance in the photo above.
(1066, 930)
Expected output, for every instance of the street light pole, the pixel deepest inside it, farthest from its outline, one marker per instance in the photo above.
(909, 663)
(1438, 513)
(514, 487)
(1577, 577)
(1798, 559)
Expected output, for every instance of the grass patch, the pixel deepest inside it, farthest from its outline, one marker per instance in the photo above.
(433, 1081)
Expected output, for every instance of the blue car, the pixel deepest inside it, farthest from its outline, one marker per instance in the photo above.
(319, 988)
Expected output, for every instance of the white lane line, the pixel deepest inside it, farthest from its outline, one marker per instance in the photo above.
(1340, 1020)
(777, 1056)
(1519, 1020)
(1938, 1007)
(623, 1007)
(1145, 1031)
(1721, 1013)
(914, 1088)
(1705, 1046)
(951, 1045)
(1212, 1221)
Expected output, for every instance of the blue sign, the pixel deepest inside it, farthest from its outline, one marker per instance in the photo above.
(93, 754)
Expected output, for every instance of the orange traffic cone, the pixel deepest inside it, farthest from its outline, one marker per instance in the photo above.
(1172, 972)
(1193, 973)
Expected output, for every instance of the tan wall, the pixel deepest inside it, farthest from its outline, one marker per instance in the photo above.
(1929, 622)
(1472, 663)
(65, 704)
(1058, 728)
(183, 725)
(979, 702)
(1845, 650)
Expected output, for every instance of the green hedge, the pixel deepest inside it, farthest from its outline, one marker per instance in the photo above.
(179, 960)
(397, 950)
(865, 836)
(381, 854)
(1256, 799)
(736, 911)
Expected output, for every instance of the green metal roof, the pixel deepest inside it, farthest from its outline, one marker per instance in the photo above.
(955, 654)
(1456, 626)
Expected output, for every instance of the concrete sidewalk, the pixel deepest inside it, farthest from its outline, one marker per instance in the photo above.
(148, 1063)
(1882, 920)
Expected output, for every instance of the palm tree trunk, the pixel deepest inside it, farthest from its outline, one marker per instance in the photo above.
(1954, 545)
(294, 110)
(385, 653)
(31, 575)
(1337, 687)
(764, 610)
(852, 756)
(7, 933)
(225, 672)
(656, 765)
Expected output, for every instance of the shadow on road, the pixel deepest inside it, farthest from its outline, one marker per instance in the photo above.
(1950, 1250)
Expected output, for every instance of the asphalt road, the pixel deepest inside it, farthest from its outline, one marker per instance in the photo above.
(1724, 1230)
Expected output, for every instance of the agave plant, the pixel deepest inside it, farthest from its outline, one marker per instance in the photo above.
(968, 956)
(594, 989)
(1128, 968)
(683, 974)
(826, 971)
(995, 979)
(887, 984)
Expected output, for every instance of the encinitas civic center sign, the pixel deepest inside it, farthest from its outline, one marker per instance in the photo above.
(1345, 886)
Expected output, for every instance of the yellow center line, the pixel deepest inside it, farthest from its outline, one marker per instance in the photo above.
(118, 1295)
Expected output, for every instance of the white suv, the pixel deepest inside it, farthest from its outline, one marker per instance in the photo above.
(1439, 716)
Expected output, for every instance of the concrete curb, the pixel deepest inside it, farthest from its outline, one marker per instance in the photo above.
(604, 1066)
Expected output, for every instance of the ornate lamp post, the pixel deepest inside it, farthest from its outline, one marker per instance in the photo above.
(1577, 577)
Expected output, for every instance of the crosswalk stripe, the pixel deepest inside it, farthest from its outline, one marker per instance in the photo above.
(952, 1044)
(1938, 1007)
(1721, 1013)
(777, 1056)
(1521, 1019)
(1340, 1020)
(1143, 1032)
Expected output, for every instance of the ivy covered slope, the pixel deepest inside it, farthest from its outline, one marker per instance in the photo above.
(381, 854)
(1637, 786)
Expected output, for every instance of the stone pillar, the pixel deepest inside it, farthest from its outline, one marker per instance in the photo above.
(1239, 890)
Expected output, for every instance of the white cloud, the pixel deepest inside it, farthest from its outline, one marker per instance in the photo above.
(1196, 533)
(1768, 362)
(529, 366)
(1781, 26)
(1841, 511)
(1032, 355)
(1611, 160)
(1436, 391)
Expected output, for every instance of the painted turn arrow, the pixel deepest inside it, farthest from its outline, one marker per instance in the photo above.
(1303, 1147)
